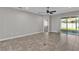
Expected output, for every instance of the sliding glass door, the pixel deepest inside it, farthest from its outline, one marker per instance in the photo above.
(70, 25)
(77, 26)
(64, 25)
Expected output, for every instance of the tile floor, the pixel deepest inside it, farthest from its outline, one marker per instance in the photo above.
(42, 42)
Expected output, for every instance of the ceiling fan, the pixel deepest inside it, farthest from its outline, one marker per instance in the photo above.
(48, 11)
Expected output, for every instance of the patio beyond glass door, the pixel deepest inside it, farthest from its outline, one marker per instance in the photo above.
(70, 25)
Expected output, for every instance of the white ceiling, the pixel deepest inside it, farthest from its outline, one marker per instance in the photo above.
(42, 10)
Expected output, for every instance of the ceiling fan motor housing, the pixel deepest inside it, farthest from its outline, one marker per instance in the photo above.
(48, 11)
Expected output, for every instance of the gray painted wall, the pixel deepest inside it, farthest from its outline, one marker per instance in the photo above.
(14, 22)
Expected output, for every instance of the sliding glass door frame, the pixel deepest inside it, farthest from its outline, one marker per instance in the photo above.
(68, 25)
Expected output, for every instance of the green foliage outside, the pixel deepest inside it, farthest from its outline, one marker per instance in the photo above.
(72, 29)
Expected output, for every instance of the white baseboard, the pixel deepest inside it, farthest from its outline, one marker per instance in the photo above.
(18, 36)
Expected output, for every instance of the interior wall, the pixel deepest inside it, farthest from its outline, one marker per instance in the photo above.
(56, 20)
(14, 22)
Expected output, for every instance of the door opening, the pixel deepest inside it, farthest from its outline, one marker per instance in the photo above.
(45, 25)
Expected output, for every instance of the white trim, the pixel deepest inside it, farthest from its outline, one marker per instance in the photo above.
(18, 36)
(43, 22)
(49, 23)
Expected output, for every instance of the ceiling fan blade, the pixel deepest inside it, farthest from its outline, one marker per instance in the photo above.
(53, 11)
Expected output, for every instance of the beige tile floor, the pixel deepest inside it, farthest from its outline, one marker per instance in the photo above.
(42, 42)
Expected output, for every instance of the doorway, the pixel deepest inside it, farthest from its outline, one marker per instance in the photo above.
(45, 23)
